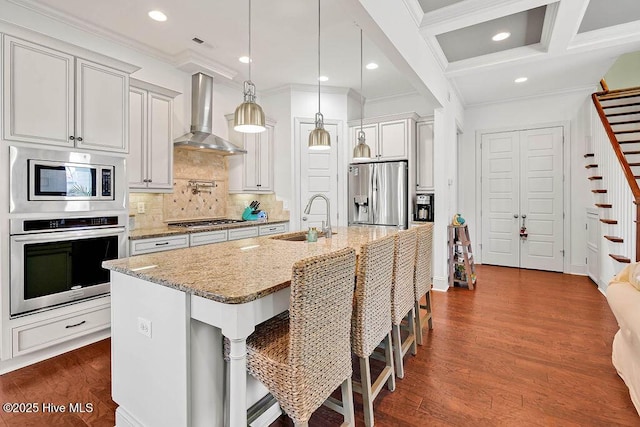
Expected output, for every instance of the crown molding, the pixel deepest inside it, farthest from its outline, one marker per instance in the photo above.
(140, 84)
(193, 62)
(94, 29)
(586, 89)
(392, 97)
(596, 39)
(415, 10)
(548, 24)
(468, 66)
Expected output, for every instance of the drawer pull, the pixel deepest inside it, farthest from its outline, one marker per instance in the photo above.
(273, 229)
(162, 244)
(77, 324)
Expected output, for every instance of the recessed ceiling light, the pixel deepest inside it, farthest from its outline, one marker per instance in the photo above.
(156, 15)
(371, 66)
(323, 78)
(244, 59)
(520, 80)
(501, 36)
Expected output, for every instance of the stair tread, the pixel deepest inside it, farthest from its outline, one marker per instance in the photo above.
(631, 152)
(620, 258)
(595, 178)
(630, 104)
(624, 132)
(604, 205)
(609, 221)
(629, 141)
(599, 191)
(593, 165)
(614, 239)
(634, 164)
(624, 122)
(625, 113)
(589, 155)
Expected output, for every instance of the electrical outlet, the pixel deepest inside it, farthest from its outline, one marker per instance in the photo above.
(144, 326)
(141, 207)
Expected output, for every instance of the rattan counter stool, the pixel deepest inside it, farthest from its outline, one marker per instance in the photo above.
(371, 321)
(304, 354)
(402, 296)
(422, 278)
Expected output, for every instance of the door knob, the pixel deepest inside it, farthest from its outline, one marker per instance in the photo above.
(515, 215)
(304, 218)
(524, 216)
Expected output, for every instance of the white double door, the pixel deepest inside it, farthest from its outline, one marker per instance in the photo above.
(522, 185)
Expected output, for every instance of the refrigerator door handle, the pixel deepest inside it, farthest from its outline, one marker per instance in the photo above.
(374, 194)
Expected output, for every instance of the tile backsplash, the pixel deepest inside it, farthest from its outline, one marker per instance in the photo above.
(210, 202)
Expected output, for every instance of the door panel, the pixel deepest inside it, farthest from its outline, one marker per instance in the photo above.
(318, 175)
(522, 185)
(541, 198)
(500, 166)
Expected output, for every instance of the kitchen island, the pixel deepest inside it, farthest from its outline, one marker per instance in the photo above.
(170, 310)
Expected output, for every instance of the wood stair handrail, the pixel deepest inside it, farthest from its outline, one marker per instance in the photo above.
(614, 91)
(633, 184)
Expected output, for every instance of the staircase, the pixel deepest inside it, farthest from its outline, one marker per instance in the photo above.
(619, 111)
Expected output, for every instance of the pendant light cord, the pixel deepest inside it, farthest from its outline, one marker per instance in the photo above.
(250, 57)
(318, 56)
(361, 95)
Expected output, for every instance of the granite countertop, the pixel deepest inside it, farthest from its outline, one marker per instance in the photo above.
(239, 271)
(146, 233)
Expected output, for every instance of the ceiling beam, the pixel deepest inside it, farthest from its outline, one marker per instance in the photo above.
(566, 22)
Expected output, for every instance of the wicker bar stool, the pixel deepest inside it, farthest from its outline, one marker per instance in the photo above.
(371, 321)
(304, 354)
(422, 278)
(402, 296)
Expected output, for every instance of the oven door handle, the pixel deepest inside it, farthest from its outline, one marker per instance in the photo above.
(67, 235)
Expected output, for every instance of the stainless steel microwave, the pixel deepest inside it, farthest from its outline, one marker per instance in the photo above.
(43, 180)
(54, 180)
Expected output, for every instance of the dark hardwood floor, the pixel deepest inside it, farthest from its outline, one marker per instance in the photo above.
(524, 348)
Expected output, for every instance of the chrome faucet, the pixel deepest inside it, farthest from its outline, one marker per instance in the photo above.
(325, 230)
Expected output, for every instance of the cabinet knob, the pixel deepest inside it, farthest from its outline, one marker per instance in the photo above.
(258, 185)
(72, 137)
(304, 218)
(79, 138)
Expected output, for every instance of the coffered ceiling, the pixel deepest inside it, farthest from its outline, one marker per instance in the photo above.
(558, 45)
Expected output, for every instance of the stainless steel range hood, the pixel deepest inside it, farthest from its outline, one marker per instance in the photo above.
(201, 136)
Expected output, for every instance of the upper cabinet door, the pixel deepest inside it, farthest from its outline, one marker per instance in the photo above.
(424, 176)
(160, 161)
(393, 140)
(137, 161)
(370, 135)
(265, 164)
(102, 107)
(251, 161)
(38, 94)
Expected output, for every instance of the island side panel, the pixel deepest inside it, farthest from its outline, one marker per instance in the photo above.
(149, 369)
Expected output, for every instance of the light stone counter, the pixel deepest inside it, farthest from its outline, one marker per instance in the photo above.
(239, 271)
(146, 233)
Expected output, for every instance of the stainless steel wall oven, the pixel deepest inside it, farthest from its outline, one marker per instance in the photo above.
(57, 261)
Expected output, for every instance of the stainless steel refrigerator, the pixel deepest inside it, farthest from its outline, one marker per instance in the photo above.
(378, 194)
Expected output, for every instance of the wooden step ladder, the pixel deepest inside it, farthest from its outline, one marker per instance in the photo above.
(462, 268)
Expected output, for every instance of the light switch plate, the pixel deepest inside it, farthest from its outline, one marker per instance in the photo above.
(141, 207)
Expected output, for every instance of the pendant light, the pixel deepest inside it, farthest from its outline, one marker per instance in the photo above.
(249, 117)
(361, 151)
(319, 138)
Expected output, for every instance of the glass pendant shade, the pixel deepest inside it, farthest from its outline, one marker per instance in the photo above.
(361, 151)
(249, 117)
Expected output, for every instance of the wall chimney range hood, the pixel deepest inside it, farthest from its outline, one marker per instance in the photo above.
(201, 136)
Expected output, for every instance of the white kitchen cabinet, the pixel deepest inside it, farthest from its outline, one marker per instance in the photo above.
(243, 233)
(158, 244)
(150, 137)
(269, 229)
(389, 138)
(251, 172)
(424, 154)
(207, 237)
(52, 97)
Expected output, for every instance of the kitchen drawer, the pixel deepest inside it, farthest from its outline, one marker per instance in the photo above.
(35, 336)
(266, 230)
(157, 244)
(243, 233)
(197, 239)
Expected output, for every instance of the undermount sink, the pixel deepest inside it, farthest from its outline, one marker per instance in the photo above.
(296, 237)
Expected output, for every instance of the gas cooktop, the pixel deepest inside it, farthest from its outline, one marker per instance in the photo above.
(204, 223)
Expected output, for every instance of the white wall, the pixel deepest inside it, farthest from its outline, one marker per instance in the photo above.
(526, 114)
(624, 72)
